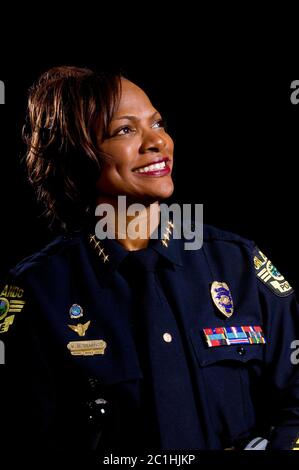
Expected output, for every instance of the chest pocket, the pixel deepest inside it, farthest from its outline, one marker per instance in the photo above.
(230, 380)
(242, 353)
(111, 368)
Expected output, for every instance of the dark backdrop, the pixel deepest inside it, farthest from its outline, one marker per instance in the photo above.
(236, 135)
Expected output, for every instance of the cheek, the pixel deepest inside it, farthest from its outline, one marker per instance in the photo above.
(109, 174)
(170, 143)
(116, 161)
(120, 153)
(113, 175)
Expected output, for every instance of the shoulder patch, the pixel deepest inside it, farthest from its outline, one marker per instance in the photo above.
(270, 276)
(11, 302)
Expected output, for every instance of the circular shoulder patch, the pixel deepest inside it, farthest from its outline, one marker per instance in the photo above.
(270, 276)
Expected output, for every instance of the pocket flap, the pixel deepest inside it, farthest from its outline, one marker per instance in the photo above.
(112, 367)
(234, 352)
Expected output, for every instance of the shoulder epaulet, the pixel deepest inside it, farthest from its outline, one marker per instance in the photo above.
(269, 275)
(213, 233)
(12, 296)
(52, 249)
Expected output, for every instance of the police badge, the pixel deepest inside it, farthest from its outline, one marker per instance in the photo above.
(222, 298)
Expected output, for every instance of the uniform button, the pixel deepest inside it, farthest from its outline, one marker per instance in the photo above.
(167, 337)
(241, 351)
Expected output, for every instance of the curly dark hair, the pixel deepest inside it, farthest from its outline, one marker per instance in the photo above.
(69, 112)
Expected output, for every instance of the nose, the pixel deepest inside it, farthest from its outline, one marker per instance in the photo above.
(152, 141)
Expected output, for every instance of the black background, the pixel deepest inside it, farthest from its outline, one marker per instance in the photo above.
(228, 109)
(223, 81)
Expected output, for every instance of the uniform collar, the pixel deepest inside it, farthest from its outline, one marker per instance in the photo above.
(171, 251)
(111, 253)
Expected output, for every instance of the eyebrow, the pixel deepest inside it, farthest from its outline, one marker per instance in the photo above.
(134, 118)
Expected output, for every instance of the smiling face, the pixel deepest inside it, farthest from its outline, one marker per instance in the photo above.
(139, 151)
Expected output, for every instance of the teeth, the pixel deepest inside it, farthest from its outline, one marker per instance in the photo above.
(154, 167)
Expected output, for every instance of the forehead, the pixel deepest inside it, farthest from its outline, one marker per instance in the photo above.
(133, 100)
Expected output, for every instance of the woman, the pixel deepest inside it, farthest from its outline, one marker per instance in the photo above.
(135, 342)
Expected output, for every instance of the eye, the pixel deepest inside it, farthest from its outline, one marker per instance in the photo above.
(123, 131)
(159, 124)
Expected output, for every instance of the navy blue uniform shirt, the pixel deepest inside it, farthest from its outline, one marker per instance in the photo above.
(217, 370)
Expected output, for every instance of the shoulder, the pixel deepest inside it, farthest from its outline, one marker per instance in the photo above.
(52, 251)
(225, 250)
(39, 272)
(234, 250)
(213, 234)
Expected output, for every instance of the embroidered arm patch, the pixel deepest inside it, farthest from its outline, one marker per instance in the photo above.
(270, 276)
(11, 302)
(296, 445)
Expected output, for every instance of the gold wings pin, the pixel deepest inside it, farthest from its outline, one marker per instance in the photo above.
(80, 328)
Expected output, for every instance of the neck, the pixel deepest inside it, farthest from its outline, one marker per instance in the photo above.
(133, 232)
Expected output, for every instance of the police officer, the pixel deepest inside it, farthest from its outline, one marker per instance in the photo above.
(137, 343)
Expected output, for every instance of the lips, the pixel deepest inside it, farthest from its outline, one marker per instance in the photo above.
(156, 165)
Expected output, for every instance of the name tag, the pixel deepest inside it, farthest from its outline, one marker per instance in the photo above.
(87, 348)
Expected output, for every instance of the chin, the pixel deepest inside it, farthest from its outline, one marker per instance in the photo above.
(153, 197)
(165, 191)
(155, 193)
(160, 196)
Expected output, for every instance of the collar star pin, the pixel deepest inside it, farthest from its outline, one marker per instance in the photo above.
(98, 247)
(222, 298)
(167, 233)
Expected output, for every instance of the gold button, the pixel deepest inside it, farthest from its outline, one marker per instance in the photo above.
(167, 337)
